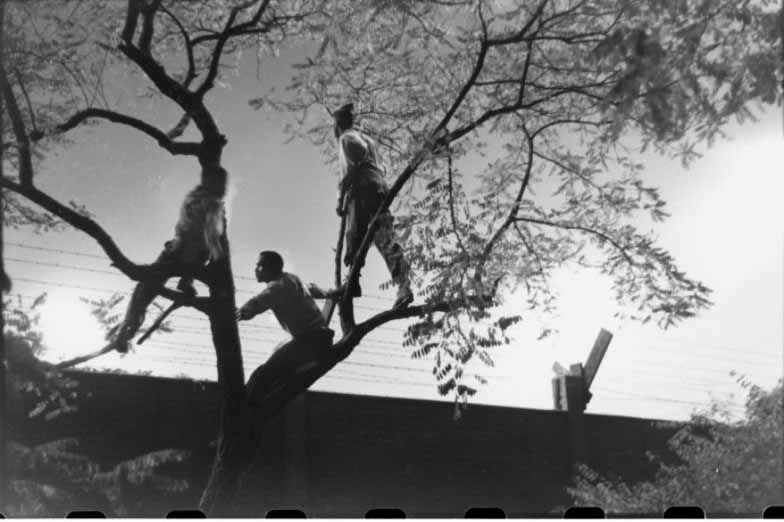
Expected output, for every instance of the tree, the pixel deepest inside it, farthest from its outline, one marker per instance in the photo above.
(560, 97)
(613, 76)
(727, 468)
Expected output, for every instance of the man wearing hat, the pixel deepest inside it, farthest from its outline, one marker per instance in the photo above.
(362, 191)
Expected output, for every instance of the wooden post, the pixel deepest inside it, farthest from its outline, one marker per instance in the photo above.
(571, 393)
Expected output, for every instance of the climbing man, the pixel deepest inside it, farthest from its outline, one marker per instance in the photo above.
(197, 241)
(362, 190)
(297, 313)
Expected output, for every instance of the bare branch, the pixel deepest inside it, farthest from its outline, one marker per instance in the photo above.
(567, 226)
(164, 140)
(529, 247)
(27, 99)
(510, 218)
(520, 35)
(191, 74)
(452, 206)
(223, 38)
(480, 61)
(180, 299)
(91, 228)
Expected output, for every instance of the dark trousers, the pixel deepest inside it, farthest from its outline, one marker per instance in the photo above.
(146, 291)
(287, 360)
(363, 203)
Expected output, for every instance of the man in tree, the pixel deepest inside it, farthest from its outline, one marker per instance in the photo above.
(196, 240)
(297, 313)
(362, 190)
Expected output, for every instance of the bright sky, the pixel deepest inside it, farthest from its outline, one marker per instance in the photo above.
(726, 229)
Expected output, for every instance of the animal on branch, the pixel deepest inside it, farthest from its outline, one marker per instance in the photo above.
(197, 241)
(362, 191)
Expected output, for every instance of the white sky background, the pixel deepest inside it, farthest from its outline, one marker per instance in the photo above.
(726, 229)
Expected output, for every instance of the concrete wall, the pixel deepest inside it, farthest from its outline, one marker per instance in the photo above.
(331, 454)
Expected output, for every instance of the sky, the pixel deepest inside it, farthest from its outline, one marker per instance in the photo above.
(726, 228)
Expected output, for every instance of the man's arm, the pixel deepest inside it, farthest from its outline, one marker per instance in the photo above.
(255, 305)
(316, 292)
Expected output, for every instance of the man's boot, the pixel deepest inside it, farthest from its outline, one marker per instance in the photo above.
(404, 296)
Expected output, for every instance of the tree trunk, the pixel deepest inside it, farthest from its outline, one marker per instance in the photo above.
(235, 447)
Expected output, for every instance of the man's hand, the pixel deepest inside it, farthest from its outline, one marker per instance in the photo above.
(243, 314)
(340, 212)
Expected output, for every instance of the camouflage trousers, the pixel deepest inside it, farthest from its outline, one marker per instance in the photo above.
(361, 207)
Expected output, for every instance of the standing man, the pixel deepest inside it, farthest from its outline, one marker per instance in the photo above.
(297, 313)
(362, 191)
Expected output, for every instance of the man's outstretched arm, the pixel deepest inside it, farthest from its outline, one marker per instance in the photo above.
(255, 306)
(320, 293)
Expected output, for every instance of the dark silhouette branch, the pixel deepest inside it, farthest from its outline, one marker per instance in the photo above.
(131, 19)
(452, 207)
(93, 229)
(17, 124)
(480, 62)
(224, 36)
(27, 99)
(148, 24)
(520, 35)
(191, 74)
(163, 139)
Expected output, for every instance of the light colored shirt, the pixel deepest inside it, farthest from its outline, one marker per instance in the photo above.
(201, 221)
(291, 303)
(361, 164)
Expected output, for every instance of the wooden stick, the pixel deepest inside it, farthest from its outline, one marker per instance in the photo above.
(84, 358)
(329, 304)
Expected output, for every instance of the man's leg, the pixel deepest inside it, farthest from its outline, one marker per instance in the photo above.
(292, 357)
(142, 296)
(393, 256)
(356, 227)
(277, 367)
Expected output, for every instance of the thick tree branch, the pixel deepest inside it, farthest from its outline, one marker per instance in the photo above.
(17, 124)
(382, 318)
(148, 24)
(94, 230)
(202, 304)
(567, 226)
(214, 141)
(131, 19)
(163, 139)
(191, 74)
(27, 99)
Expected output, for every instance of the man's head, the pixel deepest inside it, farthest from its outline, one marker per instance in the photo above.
(269, 266)
(344, 119)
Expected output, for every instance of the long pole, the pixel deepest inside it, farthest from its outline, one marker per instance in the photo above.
(3, 418)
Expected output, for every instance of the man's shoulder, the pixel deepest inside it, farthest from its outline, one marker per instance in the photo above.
(353, 136)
